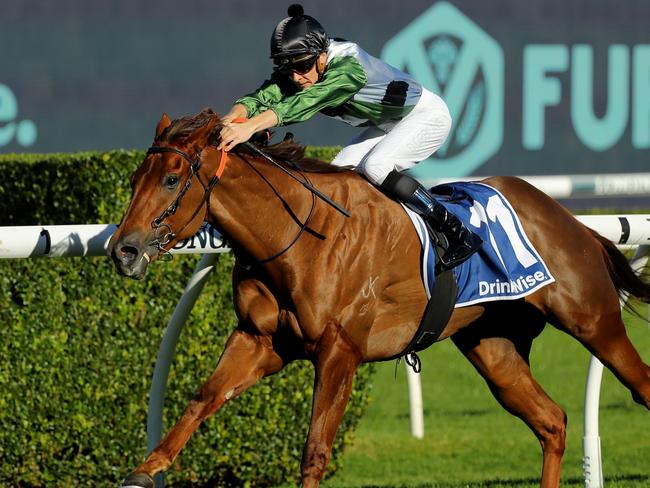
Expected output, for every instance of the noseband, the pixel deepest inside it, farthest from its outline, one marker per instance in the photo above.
(165, 237)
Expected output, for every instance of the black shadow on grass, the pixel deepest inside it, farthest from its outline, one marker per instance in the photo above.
(453, 413)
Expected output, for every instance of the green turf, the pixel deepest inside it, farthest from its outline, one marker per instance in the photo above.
(470, 441)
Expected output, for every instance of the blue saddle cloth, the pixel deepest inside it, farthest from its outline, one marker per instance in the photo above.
(506, 267)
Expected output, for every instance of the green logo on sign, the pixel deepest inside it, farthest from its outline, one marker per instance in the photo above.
(453, 57)
(24, 132)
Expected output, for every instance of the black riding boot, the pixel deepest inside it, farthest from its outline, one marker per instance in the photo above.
(462, 242)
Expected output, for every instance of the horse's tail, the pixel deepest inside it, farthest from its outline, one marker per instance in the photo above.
(622, 274)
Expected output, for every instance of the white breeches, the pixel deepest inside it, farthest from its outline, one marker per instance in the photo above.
(376, 152)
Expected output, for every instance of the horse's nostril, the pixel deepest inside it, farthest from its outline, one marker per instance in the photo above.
(128, 253)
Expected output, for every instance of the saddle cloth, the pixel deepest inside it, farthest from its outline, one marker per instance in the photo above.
(506, 267)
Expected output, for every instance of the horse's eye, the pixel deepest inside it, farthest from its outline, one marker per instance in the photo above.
(171, 181)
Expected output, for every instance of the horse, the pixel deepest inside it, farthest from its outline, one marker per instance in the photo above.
(304, 273)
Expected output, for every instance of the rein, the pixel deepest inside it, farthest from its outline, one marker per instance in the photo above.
(303, 225)
(306, 183)
(195, 164)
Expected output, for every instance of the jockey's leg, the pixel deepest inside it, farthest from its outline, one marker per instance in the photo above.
(462, 242)
(413, 139)
(358, 148)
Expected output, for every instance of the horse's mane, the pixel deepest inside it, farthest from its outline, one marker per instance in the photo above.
(288, 150)
(182, 128)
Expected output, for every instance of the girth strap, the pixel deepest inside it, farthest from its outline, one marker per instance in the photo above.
(436, 315)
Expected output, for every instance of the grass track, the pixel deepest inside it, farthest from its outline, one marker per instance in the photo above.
(470, 441)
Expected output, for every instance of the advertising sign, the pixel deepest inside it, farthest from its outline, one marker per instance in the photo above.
(534, 88)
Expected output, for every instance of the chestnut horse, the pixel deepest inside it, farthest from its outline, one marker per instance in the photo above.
(310, 283)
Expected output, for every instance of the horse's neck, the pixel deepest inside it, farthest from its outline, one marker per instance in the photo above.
(251, 211)
(248, 205)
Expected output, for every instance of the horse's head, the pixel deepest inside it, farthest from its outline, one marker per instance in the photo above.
(170, 191)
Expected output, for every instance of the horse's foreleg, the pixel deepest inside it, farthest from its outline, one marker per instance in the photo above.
(335, 369)
(499, 360)
(245, 359)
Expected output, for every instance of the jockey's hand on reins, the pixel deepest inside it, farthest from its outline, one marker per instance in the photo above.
(233, 134)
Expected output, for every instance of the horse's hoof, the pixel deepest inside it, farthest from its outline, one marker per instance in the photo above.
(138, 480)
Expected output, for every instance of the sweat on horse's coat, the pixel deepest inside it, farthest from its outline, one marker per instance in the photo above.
(308, 304)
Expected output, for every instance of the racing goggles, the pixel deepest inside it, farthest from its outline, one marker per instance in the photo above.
(287, 67)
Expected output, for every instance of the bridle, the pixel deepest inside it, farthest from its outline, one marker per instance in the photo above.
(163, 232)
(162, 236)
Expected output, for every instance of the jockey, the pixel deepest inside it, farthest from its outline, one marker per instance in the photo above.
(405, 122)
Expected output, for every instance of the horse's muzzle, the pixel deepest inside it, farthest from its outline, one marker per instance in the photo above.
(132, 255)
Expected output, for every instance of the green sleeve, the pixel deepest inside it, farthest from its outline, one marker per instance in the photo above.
(343, 78)
(260, 100)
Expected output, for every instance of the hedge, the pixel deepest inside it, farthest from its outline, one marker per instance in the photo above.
(78, 344)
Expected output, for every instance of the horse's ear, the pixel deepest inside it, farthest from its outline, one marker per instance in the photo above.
(164, 122)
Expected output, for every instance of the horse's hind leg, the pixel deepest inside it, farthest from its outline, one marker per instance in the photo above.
(605, 336)
(589, 310)
(501, 357)
(616, 351)
(246, 359)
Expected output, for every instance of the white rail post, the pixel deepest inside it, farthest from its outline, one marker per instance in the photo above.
(591, 460)
(415, 402)
(166, 352)
(591, 455)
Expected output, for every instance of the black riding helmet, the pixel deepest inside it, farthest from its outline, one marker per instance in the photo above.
(297, 37)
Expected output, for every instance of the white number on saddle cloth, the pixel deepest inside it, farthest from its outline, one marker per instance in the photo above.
(496, 211)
